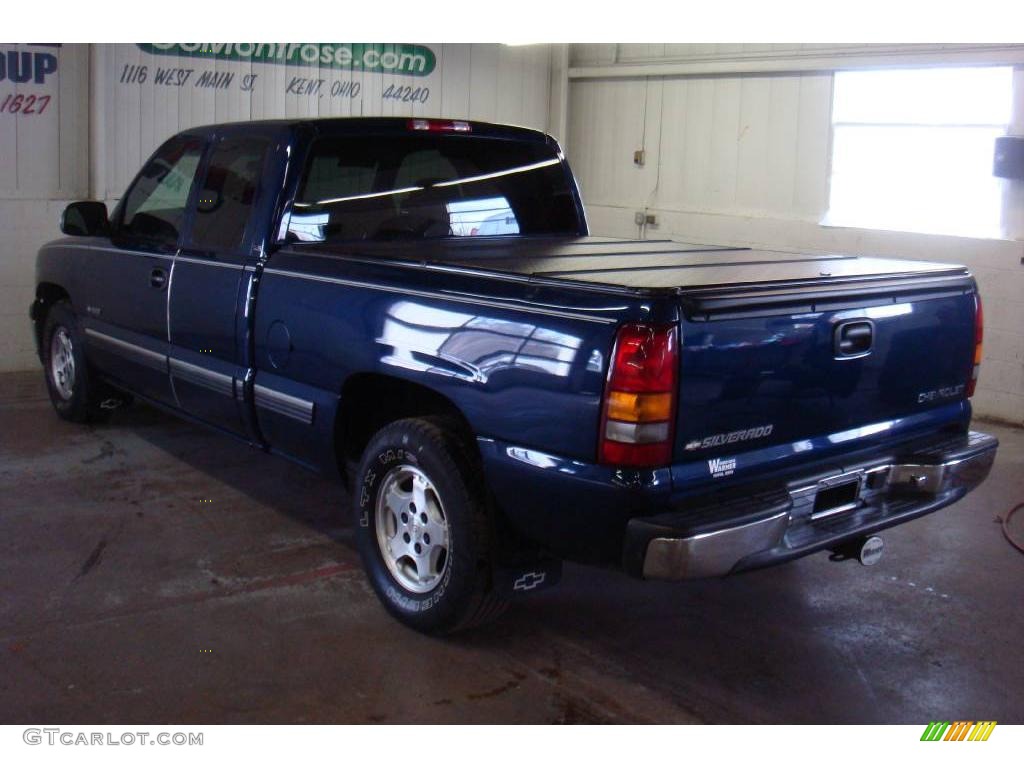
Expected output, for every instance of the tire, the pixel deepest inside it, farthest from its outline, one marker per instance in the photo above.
(75, 395)
(436, 585)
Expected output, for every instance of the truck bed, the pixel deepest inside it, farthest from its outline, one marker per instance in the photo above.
(761, 375)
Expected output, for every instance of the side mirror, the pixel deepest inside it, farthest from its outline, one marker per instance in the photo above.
(209, 201)
(86, 218)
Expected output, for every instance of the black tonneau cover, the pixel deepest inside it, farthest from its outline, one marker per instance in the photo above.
(642, 265)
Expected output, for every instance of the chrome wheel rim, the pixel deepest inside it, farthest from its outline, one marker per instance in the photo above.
(62, 363)
(412, 529)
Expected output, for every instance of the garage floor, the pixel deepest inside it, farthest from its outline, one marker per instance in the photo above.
(153, 572)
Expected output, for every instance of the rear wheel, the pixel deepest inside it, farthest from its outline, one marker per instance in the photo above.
(412, 529)
(75, 396)
(424, 534)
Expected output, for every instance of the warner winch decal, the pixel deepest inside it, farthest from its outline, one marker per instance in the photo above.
(721, 467)
(727, 438)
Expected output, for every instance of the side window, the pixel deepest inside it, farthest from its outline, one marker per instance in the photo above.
(154, 207)
(228, 192)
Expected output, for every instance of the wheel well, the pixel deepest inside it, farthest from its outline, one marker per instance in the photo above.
(369, 401)
(47, 294)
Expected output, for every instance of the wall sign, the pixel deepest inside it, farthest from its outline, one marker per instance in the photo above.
(22, 66)
(370, 78)
(146, 92)
(33, 70)
(165, 87)
(43, 89)
(397, 59)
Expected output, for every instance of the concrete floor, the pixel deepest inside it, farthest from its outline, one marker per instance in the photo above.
(153, 572)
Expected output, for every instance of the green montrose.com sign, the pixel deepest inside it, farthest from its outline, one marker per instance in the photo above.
(392, 58)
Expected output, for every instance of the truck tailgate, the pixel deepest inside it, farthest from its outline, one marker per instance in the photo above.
(823, 350)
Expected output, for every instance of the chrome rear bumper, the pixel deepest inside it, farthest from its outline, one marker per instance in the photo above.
(782, 524)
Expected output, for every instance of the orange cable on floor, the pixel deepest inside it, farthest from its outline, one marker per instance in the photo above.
(1005, 521)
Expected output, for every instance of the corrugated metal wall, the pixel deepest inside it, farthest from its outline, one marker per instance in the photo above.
(44, 151)
(743, 146)
(44, 159)
(744, 159)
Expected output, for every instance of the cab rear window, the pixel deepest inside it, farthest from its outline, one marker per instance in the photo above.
(431, 186)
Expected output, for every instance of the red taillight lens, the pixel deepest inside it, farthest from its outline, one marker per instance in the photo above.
(637, 420)
(979, 335)
(450, 126)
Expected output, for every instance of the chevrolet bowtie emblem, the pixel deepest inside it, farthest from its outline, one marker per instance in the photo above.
(529, 581)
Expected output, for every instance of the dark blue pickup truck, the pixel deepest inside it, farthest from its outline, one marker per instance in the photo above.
(417, 305)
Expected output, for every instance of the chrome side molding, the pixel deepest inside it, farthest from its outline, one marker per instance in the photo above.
(283, 404)
(220, 383)
(133, 352)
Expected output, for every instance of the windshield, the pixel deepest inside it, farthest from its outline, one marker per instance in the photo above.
(431, 186)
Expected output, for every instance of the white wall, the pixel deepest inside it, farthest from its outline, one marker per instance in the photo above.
(44, 162)
(744, 160)
(101, 123)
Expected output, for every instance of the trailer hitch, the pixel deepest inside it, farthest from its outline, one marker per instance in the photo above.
(867, 550)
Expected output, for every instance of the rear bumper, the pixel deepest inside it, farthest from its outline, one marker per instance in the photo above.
(756, 527)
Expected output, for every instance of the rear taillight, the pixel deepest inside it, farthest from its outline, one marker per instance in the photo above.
(637, 420)
(979, 333)
(443, 126)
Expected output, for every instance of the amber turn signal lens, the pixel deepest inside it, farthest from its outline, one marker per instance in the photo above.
(639, 407)
(979, 336)
(638, 414)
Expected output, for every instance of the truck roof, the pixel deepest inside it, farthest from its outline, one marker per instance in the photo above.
(381, 125)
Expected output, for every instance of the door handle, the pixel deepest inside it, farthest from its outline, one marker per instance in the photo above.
(157, 278)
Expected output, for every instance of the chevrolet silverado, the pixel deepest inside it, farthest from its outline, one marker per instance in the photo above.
(416, 305)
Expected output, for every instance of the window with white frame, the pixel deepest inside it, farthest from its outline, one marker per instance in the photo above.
(912, 149)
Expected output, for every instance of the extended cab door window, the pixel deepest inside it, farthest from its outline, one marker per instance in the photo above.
(154, 208)
(227, 195)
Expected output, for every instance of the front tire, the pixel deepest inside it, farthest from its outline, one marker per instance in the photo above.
(75, 396)
(423, 529)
